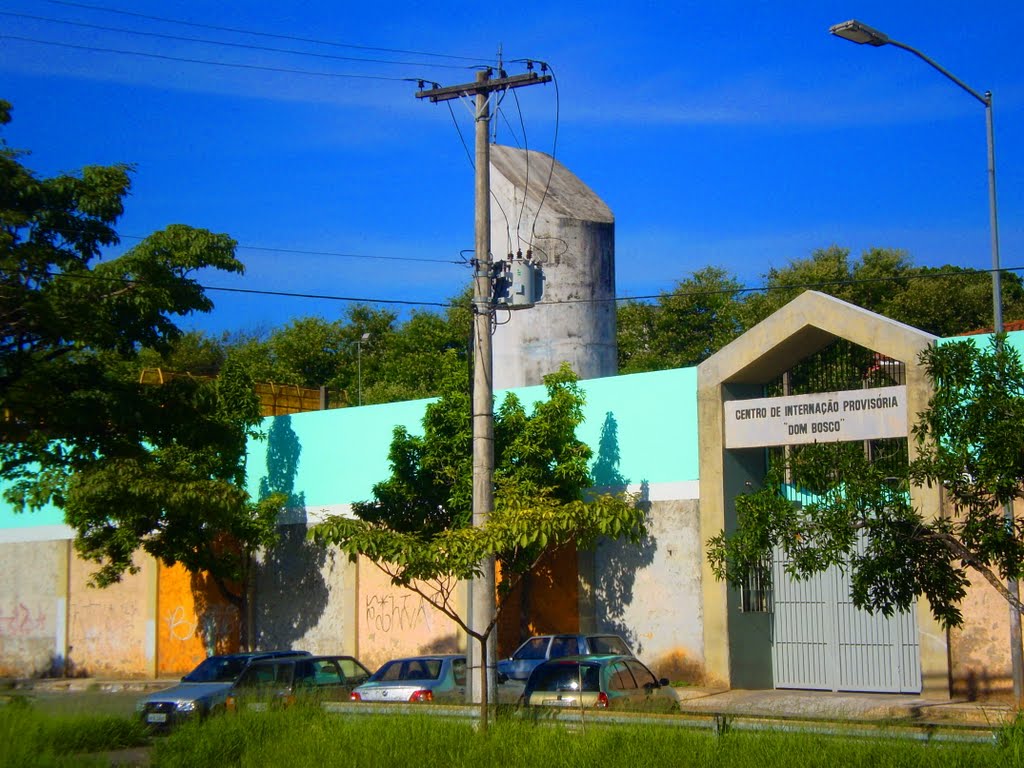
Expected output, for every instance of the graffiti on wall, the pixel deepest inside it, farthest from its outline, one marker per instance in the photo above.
(179, 626)
(386, 612)
(216, 621)
(22, 621)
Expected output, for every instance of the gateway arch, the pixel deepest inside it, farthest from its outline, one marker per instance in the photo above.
(741, 647)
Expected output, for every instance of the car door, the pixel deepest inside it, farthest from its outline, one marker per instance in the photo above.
(458, 672)
(263, 684)
(622, 688)
(328, 682)
(353, 672)
(649, 689)
(288, 676)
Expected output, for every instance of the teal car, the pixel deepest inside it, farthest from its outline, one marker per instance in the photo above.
(601, 682)
(541, 648)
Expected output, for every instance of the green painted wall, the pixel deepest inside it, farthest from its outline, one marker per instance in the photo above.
(334, 457)
(337, 455)
(48, 515)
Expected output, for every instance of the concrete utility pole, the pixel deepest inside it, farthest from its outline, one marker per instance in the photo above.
(481, 609)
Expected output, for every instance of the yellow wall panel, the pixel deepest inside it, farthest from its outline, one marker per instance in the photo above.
(194, 621)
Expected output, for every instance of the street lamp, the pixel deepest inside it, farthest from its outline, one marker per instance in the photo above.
(359, 366)
(857, 32)
(862, 34)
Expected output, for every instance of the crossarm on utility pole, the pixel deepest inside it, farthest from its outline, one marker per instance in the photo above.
(486, 86)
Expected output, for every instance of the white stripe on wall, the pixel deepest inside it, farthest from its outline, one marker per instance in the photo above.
(680, 491)
(36, 533)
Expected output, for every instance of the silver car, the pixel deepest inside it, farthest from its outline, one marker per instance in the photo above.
(416, 679)
(201, 691)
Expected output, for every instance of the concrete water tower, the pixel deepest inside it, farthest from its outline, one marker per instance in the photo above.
(538, 206)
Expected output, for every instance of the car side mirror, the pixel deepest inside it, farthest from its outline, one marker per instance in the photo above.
(663, 682)
(501, 678)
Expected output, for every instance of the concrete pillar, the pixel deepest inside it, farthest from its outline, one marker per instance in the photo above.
(538, 205)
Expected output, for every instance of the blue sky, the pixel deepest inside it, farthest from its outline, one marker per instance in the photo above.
(735, 134)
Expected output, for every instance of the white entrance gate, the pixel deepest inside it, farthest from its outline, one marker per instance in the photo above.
(821, 641)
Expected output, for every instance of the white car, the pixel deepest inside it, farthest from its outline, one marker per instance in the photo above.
(416, 679)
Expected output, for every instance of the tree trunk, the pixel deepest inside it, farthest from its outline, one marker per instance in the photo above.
(525, 582)
(244, 625)
(249, 612)
(483, 684)
(241, 604)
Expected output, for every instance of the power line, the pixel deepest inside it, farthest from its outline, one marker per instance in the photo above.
(327, 297)
(614, 299)
(278, 36)
(554, 146)
(208, 62)
(794, 287)
(207, 41)
(255, 291)
(298, 251)
(348, 255)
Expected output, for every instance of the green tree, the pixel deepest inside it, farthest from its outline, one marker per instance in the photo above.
(131, 465)
(397, 361)
(417, 528)
(885, 281)
(698, 317)
(925, 302)
(636, 337)
(193, 353)
(406, 367)
(702, 315)
(314, 352)
(826, 269)
(969, 444)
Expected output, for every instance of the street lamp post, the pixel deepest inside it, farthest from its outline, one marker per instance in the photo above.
(857, 32)
(359, 366)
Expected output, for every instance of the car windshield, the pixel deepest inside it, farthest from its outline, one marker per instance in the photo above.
(217, 669)
(408, 669)
(608, 644)
(566, 677)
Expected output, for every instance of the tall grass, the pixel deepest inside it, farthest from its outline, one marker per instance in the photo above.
(1011, 739)
(29, 737)
(310, 737)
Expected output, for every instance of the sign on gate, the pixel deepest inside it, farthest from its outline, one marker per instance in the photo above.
(821, 417)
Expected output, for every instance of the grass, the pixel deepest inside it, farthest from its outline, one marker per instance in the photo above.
(30, 737)
(311, 737)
